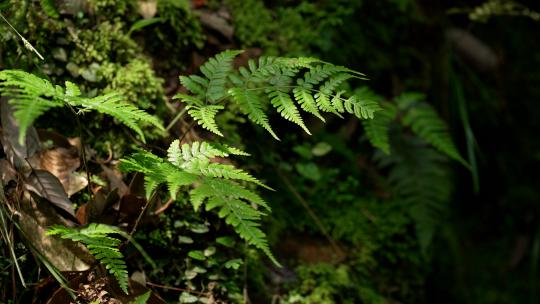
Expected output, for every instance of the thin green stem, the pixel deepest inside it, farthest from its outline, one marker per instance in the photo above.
(176, 118)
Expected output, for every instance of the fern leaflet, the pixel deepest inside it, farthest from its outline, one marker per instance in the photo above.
(426, 123)
(377, 129)
(101, 245)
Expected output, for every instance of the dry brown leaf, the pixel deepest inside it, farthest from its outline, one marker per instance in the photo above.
(7, 173)
(62, 163)
(115, 180)
(217, 22)
(46, 185)
(16, 153)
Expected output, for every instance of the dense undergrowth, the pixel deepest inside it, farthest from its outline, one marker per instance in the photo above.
(248, 151)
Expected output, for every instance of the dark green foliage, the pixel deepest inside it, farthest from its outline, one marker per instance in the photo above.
(406, 216)
(286, 27)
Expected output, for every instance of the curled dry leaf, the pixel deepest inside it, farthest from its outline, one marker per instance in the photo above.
(7, 173)
(115, 180)
(217, 22)
(62, 163)
(46, 185)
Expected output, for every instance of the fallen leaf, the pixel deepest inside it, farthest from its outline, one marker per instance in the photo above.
(62, 163)
(16, 153)
(46, 185)
(65, 255)
(7, 173)
(115, 180)
(217, 23)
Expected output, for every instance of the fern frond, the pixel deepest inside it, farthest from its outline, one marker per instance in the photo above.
(213, 183)
(112, 104)
(178, 155)
(103, 247)
(420, 179)
(311, 83)
(426, 123)
(195, 84)
(32, 96)
(363, 104)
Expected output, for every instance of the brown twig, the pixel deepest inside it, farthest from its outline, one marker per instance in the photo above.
(177, 289)
(164, 207)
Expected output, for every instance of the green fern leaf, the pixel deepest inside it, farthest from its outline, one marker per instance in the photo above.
(216, 70)
(190, 100)
(195, 84)
(377, 128)
(420, 180)
(30, 95)
(305, 100)
(206, 117)
(250, 105)
(313, 83)
(285, 106)
(112, 104)
(213, 184)
(103, 247)
(33, 96)
(426, 123)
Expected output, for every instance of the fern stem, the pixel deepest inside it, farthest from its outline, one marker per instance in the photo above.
(337, 250)
(177, 289)
(138, 220)
(176, 118)
(292, 87)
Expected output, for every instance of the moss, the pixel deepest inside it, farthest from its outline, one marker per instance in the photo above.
(136, 81)
(179, 32)
(286, 28)
(108, 8)
(108, 42)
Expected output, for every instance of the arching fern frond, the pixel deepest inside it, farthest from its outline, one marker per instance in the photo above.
(420, 179)
(96, 237)
(32, 96)
(281, 83)
(213, 183)
(112, 104)
(426, 123)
